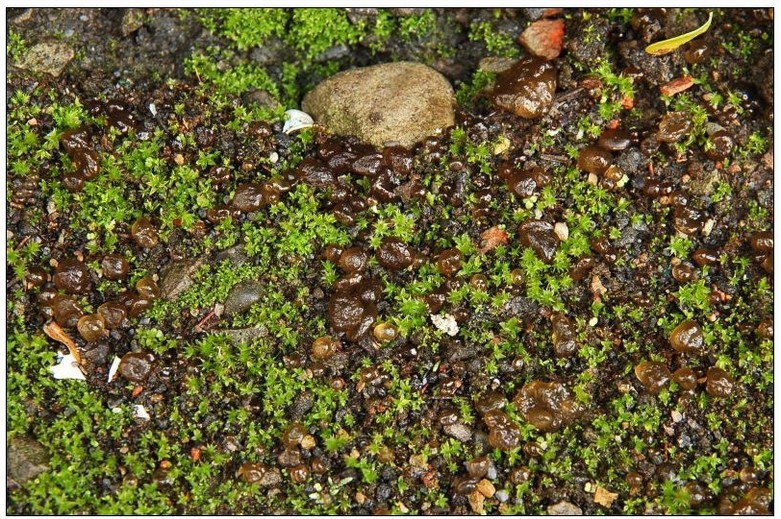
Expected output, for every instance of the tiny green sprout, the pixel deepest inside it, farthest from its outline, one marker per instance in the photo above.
(666, 46)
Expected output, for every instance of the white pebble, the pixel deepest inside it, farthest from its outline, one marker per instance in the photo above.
(561, 230)
(152, 109)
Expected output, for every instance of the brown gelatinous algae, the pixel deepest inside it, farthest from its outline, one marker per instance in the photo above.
(653, 375)
(527, 89)
(687, 337)
(548, 406)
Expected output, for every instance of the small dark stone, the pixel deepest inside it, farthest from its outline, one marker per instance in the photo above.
(136, 367)
(540, 237)
(242, 296)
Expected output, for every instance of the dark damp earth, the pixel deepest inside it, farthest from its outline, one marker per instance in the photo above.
(560, 304)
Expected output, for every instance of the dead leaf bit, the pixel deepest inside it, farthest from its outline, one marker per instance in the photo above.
(54, 331)
(666, 46)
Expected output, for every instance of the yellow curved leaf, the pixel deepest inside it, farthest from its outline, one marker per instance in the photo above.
(669, 45)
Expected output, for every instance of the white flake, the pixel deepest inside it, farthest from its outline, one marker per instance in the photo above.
(67, 368)
(140, 412)
(445, 323)
(112, 371)
(296, 120)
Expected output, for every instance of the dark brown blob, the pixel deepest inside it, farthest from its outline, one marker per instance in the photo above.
(687, 337)
(464, 485)
(548, 406)
(398, 160)
(248, 197)
(220, 212)
(478, 467)
(314, 173)
(72, 182)
(144, 233)
(704, 257)
(757, 501)
(686, 378)
(718, 383)
(298, 473)
(523, 182)
(684, 272)
(527, 89)
(114, 266)
(394, 254)
(136, 367)
(449, 262)
(479, 282)
(293, 435)
(540, 237)
(696, 51)
(258, 473)
(368, 163)
(86, 164)
(503, 433)
(615, 139)
(719, 146)
(147, 288)
(353, 307)
(762, 242)
(66, 311)
(564, 344)
(36, 277)
(490, 401)
(219, 176)
(686, 219)
(436, 300)
(72, 276)
(385, 332)
(593, 159)
(332, 252)
(655, 188)
(353, 259)
(113, 314)
(138, 305)
(323, 348)
(92, 327)
(634, 480)
(765, 328)
(674, 126)
(653, 375)
(580, 269)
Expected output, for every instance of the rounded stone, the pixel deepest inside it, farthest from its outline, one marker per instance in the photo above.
(392, 103)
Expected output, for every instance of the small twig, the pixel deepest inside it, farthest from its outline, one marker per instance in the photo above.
(566, 96)
(199, 327)
(561, 159)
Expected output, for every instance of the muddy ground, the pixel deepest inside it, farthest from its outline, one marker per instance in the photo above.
(568, 313)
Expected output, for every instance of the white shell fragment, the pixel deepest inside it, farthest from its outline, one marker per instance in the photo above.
(296, 120)
(67, 368)
(112, 371)
(445, 323)
(141, 412)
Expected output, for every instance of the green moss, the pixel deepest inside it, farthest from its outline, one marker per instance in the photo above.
(313, 31)
(497, 42)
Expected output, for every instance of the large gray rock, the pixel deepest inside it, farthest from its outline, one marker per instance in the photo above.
(401, 103)
(47, 58)
(26, 459)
